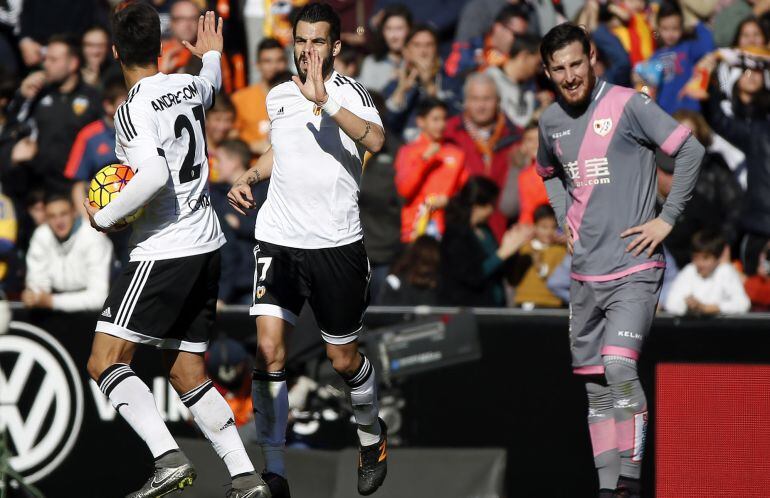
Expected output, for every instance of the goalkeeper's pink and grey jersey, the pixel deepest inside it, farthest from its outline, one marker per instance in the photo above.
(605, 157)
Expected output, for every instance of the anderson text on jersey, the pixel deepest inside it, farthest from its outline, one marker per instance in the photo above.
(170, 99)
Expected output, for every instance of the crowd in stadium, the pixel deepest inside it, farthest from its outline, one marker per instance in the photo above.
(452, 207)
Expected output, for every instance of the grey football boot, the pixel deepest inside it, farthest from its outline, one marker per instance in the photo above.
(172, 473)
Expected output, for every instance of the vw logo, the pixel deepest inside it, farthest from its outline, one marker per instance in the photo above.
(41, 400)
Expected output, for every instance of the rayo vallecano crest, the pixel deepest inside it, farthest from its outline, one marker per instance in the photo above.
(602, 126)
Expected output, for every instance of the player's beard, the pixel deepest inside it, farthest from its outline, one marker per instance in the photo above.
(326, 67)
(586, 88)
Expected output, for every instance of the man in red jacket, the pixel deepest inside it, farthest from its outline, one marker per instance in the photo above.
(428, 171)
(485, 135)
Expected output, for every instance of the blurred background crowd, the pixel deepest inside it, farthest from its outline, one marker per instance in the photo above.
(453, 210)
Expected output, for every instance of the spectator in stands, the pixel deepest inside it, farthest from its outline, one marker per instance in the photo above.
(9, 230)
(421, 76)
(524, 190)
(748, 128)
(380, 207)
(9, 20)
(235, 283)
(428, 172)
(612, 61)
(485, 135)
(677, 55)
(708, 285)
(251, 119)
(13, 151)
(491, 49)
(630, 22)
(515, 79)
(68, 262)
(728, 19)
(716, 199)
(220, 121)
(758, 286)
(32, 216)
(536, 261)
(471, 270)
(414, 277)
(234, 65)
(174, 57)
(97, 56)
(381, 66)
(40, 20)
(750, 35)
(57, 103)
(442, 15)
(94, 145)
(482, 130)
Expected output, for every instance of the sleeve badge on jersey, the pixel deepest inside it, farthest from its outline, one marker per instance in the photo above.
(602, 126)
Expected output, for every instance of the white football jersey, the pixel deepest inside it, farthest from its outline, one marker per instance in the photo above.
(312, 201)
(164, 115)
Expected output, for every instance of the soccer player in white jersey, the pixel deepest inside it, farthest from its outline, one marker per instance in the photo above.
(166, 297)
(309, 239)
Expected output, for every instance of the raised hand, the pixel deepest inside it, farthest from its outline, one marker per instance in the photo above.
(313, 88)
(209, 35)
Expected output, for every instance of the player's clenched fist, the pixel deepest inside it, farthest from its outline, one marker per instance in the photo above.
(209, 35)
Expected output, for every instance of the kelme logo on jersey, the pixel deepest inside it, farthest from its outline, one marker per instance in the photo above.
(602, 126)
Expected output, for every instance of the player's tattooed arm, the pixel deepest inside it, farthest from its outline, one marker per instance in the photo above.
(240, 196)
(368, 134)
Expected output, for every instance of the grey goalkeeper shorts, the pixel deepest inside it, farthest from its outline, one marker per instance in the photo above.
(611, 318)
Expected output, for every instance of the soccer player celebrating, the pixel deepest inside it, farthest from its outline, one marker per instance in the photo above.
(596, 155)
(166, 296)
(309, 238)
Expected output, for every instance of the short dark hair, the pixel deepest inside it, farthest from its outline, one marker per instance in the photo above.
(52, 197)
(709, 241)
(71, 42)
(669, 9)
(348, 55)
(524, 43)
(114, 88)
(268, 44)
(513, 10)
(136, 33)
(477, 191)
(222, 103)
(319, 12)
(33, 197)
(237, 148)
(419, 28)
(428, 104)
(561, 36)
(543, 211)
